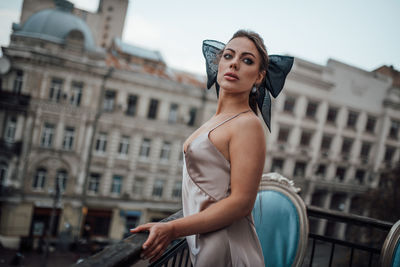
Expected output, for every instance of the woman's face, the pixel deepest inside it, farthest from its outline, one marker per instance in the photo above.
(239, 66)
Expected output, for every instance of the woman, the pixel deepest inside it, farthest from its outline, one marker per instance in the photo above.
(223, 164)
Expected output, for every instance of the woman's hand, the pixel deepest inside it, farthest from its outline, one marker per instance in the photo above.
(160, 236)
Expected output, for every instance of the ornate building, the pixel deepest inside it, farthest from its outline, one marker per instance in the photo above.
(107, 127)
(106, 23)
(78, 116)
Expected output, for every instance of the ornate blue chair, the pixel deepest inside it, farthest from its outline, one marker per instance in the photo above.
(390, 253)
(281, 221)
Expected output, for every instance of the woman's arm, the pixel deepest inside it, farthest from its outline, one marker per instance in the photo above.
(247, 156)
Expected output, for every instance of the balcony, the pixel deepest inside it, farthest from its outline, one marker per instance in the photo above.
(14, 101)
(322, 250)
(10, 148)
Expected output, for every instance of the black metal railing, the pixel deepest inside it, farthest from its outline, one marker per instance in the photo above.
(177, 255)
(14, 101)
(323, 250)
(10, 148)
(334, 251)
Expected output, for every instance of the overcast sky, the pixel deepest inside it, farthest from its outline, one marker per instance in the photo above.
(362, 33)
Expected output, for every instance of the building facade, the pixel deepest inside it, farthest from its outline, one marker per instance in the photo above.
(335, 128)
(105, 129)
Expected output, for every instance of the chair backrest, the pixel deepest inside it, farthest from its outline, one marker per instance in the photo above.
(281, 222)
(390, 253)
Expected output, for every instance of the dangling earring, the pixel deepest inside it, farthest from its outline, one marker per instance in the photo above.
(254, 89)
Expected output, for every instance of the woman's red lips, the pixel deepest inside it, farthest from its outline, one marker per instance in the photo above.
(230, 76)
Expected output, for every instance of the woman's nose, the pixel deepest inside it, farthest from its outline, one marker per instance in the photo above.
(235, 63)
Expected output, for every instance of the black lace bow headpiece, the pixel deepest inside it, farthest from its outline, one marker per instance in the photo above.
(278, 69)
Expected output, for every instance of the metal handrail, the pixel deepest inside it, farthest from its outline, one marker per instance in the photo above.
(340, 216)
(127, 252)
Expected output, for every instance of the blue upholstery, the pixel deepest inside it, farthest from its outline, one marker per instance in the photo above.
(396, 256)
(278, 227)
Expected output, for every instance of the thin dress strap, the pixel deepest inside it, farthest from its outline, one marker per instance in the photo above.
(228, 119)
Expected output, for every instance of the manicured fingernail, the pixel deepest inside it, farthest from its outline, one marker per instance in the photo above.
(144, 247)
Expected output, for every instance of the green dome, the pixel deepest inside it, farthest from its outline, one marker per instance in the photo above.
(54, 25)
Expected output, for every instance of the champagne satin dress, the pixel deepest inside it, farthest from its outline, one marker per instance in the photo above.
(206, 180)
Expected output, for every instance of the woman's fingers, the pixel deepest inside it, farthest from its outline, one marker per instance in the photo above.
(159, 237)
(140, 228)
(148, 243)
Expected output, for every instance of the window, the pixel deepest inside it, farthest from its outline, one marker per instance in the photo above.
(61, 180)
(340, 173)
(124, 145)
(365, 149)
(173, 113)
(299, 169)
(94, 183)
(305, 138)
(192, 116)
(116, 184)
(389, 153)
(346, 146)
(283, 134)
(11, 126)
(101, 143)
(332, 114)
(165, 151)
(311, 110)
(152, 113)
(352, 119)
(321, 170)
(3, 173)
(370, 126)
(144, 152)
(138, 186)
(360, 174)
(18, 81)
(109, 101)
(177, 190)
(326, 142)
(394, 129)
(131, 221)
(289, 104)
(76, 93)
(47, 135)
(40, 179)
(277, 165)
(158, 188)
(68, 141)
(132, 105)
(56, 89)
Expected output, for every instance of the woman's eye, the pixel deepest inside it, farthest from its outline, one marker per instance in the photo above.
(248, 61)
(227, 56)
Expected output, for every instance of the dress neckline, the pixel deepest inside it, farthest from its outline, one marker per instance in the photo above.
(207, 133)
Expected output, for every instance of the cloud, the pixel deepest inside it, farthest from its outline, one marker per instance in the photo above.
(143, 32)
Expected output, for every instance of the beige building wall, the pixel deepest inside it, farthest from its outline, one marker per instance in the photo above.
(117, 225)
(16, 219)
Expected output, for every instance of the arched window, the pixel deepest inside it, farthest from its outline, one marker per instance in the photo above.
(40, 178)
(3, 172)
(61, 180)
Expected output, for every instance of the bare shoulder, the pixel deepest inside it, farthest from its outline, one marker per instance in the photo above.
(248, 126)
(247, 147)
